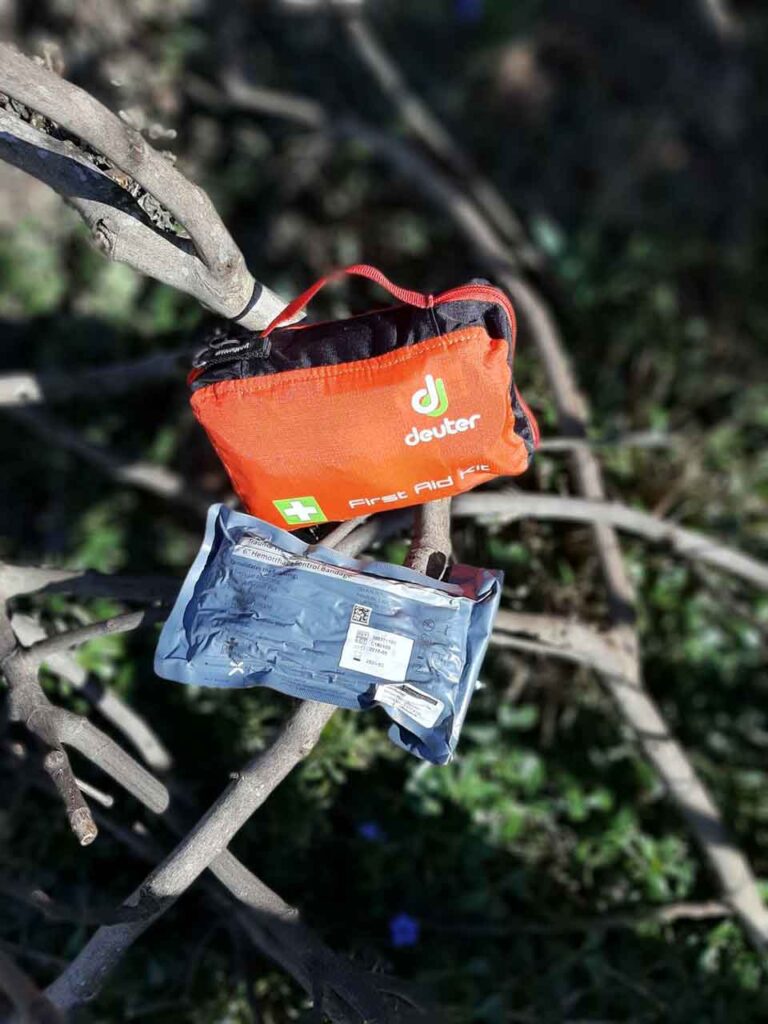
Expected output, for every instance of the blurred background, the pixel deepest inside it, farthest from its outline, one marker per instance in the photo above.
(630, 139)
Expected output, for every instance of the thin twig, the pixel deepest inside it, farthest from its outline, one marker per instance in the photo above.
(688, 543)
(158, 481)
(59, 642)
(32, 1006)
(428, 129)
(121, 715)
(671, 913)
(640, 439)
(26, 388)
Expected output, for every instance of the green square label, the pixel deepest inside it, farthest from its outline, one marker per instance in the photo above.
(300, 511)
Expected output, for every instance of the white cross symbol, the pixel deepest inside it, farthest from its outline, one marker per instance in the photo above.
(303, 513)
(237, 666)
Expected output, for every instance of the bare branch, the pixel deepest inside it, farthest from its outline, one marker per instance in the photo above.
(426, 127)
(105, 799)
(32, 1006)
(374, 530)
(342, 531)
(639, 439)
(155, 480)
(718, 14)
(688, 543)
(121, 715)
(209, 839)
(29, 579)
(562, 638)
(55, 910)
(59, 642)
(57, 766)
(21, 388)
(57, 728)
(275, 928)
(194, 853)
(634, 703)
(216, 275)
(431, 547)
(240, 92)
(666, 914)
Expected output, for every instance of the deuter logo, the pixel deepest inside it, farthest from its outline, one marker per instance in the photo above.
(432, 399)
(416, 436)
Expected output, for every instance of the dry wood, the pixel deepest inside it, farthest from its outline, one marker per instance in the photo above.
(31, 1005)
(208, 264)
(688, 543)
(633, 701)
(208, 840)
(25, 388)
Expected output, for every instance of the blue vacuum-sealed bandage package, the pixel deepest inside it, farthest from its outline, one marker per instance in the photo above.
(261, 608)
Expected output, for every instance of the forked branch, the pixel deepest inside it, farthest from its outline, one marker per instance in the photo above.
(205, 263)
(206, 845)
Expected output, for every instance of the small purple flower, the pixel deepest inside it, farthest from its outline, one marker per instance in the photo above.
(372, 831)
(468, 10)
(404, 930)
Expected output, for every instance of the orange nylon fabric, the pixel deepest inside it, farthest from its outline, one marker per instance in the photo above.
(333, 442)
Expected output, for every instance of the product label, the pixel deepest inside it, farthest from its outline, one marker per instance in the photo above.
(253, 548)
(418, 705)
(376, 652)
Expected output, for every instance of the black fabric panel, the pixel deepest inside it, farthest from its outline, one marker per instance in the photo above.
(342, 341)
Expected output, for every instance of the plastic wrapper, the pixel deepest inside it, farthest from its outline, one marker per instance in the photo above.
(259, 607)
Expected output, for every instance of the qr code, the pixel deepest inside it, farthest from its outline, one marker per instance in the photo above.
(361, 614)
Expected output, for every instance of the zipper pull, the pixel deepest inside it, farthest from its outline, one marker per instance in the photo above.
(220, 346)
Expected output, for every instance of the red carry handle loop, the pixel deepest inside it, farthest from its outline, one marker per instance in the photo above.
(361, 270)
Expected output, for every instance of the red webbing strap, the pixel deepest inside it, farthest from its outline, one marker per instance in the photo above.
(361, 270)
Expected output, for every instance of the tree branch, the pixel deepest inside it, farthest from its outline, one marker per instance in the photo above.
(688, 543)
(208, 840)
(32, 1006)
(23, 388)
(562, 638)
(431, 546)
(213, 271)
(119, 714)
(57, 728)
(31, 579)
(719, 16)
(639, 439)
(272, 925)
(423, 124)
(666, 914)
(633, 701)
(158, 481)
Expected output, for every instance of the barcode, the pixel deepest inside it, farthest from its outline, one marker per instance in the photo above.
(361, 615)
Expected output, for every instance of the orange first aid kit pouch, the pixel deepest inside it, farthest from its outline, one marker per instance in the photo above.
(323, 422)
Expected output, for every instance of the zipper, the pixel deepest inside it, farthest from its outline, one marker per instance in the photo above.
(487, 293)
(483, 292)
(215, 353)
